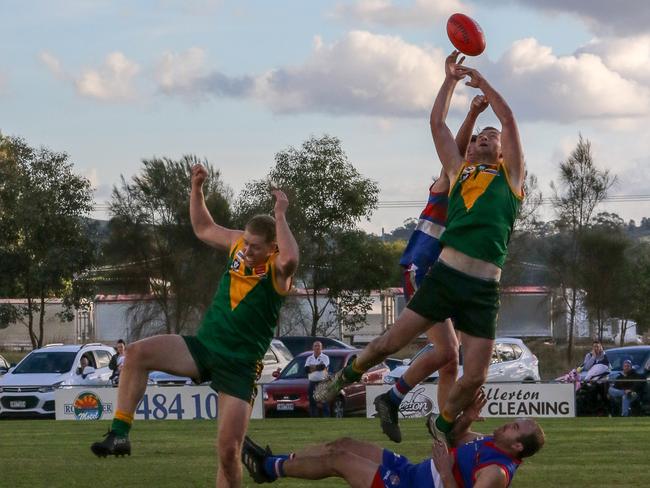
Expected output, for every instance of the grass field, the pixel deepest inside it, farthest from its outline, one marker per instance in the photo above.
(579, 452)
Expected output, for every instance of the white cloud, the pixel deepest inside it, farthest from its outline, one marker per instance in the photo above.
(420, 13)
(362, 73)
(112, 81)
(52, 63)
(542, 86)
(628, 56)
(177, 73)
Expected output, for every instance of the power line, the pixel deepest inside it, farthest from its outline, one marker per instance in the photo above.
(638, 198)
(545, 201)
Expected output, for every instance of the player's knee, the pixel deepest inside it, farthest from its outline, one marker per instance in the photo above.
(337, 456)
(135, 354)
(449, 370)
(228, 453)
(450, 357)
(340, 444)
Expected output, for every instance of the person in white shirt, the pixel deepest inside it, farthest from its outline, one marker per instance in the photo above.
(316, 368)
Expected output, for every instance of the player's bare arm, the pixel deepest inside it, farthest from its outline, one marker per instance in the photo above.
(446, 146)
(288, 253)
(511, 149)
(464, 134)
(461, 433)
(202, 223)
(491, 476)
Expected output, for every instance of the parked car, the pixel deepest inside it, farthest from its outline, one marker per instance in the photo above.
(4, 366)
(288, 394)
(298, 344)
(277, 357)
(511, 361)
(640, 357)
(275, 360)
(160, 378)
(27, 390)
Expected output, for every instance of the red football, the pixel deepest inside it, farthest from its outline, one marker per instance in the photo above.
(465, 34)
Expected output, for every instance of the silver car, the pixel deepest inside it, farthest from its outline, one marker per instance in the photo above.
(511, 361)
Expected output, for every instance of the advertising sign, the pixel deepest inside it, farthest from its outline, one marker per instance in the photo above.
(158, 403)
(503, 400)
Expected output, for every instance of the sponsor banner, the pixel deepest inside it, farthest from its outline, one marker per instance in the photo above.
(158, 403)
(503, 400)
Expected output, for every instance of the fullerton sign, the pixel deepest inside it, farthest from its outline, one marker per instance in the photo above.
(503, 400)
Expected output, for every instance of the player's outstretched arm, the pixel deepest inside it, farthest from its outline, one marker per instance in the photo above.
(513, 154)
(202, 223)
(288, 256)
(461, 433)
(464, 134)
(446, 146)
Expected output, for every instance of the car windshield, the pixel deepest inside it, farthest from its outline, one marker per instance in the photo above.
(282, 349)
(46, 362)
(616, 358)
(296, 368)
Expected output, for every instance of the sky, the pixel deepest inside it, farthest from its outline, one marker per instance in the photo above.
(114, 82)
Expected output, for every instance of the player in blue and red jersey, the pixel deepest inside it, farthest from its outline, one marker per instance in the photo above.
(476, 461)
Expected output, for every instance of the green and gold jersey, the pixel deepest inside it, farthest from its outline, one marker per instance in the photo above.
(482, 211)
(245, 309)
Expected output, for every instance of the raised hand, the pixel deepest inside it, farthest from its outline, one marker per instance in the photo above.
(479, 103)
(452, 63)
(199, 174)
(475, 78)
(281, 202)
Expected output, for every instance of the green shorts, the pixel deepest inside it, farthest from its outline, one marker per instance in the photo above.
(471, 303)
(233, 377)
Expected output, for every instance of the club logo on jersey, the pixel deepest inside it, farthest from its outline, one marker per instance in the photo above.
(391, 479)
(467, 172)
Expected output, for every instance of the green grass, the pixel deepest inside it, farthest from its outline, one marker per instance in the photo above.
(578, 453)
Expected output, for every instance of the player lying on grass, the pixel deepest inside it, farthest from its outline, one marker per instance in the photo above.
(475, 461)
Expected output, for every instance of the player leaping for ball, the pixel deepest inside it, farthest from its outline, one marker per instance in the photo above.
(233, 337)
(476, 460)
(464, 283)
(421, 252)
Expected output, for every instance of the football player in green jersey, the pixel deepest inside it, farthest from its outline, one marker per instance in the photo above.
(233, 337)
(484, 199)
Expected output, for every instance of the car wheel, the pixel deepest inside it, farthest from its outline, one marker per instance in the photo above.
(338, 408)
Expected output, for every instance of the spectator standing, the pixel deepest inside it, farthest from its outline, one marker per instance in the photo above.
(626, 388)
(117, 361)
(316, 367)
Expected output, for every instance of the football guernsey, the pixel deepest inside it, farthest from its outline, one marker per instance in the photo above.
(482, 211)
(423, 247)
(244, 312)
(478, 454)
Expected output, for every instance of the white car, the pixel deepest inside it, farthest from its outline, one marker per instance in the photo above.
(276, 358)
(511, 361)
(27, 390)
